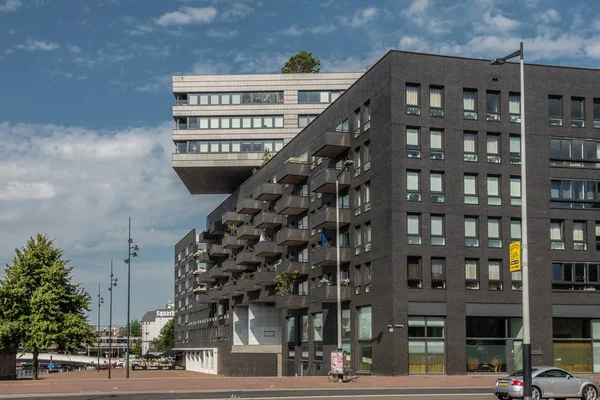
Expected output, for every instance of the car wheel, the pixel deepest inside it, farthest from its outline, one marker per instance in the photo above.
(589, 393)
(536, 394)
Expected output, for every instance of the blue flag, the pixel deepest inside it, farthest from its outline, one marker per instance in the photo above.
(323, 238)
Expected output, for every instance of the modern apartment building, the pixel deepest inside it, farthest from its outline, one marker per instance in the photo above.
(428, 210)
(224, 123)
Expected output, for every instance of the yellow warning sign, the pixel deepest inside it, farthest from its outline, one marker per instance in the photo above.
(515, 256)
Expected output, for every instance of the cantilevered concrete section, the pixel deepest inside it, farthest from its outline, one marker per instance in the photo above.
(224, 123)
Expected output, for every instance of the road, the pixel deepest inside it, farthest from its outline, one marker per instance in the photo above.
(370, 394)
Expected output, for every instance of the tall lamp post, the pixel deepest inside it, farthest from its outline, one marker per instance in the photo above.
(100, 301)
(524, 242)
(113, 283)
(131, 252)
(347, 164)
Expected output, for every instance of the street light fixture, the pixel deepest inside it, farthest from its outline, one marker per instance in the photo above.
(113, 283)
(347, 164)
(100, 301)
(524, 242)
(131, 252)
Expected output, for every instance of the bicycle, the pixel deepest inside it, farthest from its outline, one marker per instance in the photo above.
(348, 375)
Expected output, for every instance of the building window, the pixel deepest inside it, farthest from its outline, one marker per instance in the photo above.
(344, 126)
(318, 327)
(470, 189)
(436, 101)
(515, 191)
(494, 232)
(555, 113)
(495, 274)
(471, 232)
(557, 241)
(437, 230)
(357, 201)
(575, 276)
(212, 99)
(323, 97)
(493, 191)
(413, 143)
(304, 120)
(574, 153)
(514, 107)
(357, 162)
(413, 272)
(470, 146)
(236, 122)
(357, 240)
(413, 189)
(577, 112)
(367, 191)
(438, 273)
(574, 194)
(488, 344)
(436, 144)
(470, 104)
(436, 187)
(579, 235)
(367, 116)
(597, 236)
(367, 272)
(471, 275)
(493, 149)
(596, 113)
(515, 229)
(367, 237)
(365, 344)
(515, 150)
(413, 228)
(357, 122)
(367, 156)
(413, 99)
(492, 106)
(425, 345)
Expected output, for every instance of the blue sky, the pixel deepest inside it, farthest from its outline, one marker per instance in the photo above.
(85, 102)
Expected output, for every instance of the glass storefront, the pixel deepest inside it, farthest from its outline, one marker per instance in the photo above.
(365, 345)
(425, 345)
(576, 344)
(494, 344)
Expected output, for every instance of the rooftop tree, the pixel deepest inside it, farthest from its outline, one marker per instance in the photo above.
(303, 62)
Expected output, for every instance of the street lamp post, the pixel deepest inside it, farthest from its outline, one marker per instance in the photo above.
(100, 301)
(524, 242)
(131, 252)
(347, 164)
(113, 283)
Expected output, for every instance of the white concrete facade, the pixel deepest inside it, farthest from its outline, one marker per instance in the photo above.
(222, 171)
(152, 322)
(202, 360)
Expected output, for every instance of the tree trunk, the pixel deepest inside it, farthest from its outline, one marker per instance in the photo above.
(35, 365)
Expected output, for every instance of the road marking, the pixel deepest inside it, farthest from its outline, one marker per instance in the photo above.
(364, 396)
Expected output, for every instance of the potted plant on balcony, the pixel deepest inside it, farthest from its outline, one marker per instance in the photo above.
(325, 281)
(345, 282)
(285, 283)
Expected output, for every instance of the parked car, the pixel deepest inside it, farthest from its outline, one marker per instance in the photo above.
(547, 382)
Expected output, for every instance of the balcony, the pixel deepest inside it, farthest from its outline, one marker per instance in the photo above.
(231, 242)
(205, 237)
(292, 237)
(289, 267)
(265, 295)
(202, 256)
(247, 258)
(231, 289)
(232, 218)
(324, 181)
(215, 294)
(206, 278)
(328, 294)
(247, 284)
(268, 220)
(200, 270)
(217, 228)
(232, 266)
(217, 272)
(327, 257)
(331, 144)
(265, 278)
(248, 206)
(325, 218)
(267, 249)
(292, 205)
(200, 290)
(291, 302)
(216, 250)
(247, 232)
(268, 191)
(295, 170)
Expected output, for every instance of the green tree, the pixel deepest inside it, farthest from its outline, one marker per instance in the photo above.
(303, 62)
(136, 328)
(40, 308)
(166, 338)
(267, 155)
(137, 347)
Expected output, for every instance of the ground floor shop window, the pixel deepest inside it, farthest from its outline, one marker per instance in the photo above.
(494, 344)
(365, 344)
(425, 345)
(576, 344)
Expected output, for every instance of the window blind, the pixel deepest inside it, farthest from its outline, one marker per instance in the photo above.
(494, 270)
(470, 184)
(555, 231)
(435, 182)
(493, 144)
(471, 269)
(515, 187)
(493, 228)
(493, 186)
(412, 95)
(412, 224)
(437, 225)
(412, 181)
(435, 97)
(435, 140)
(469, 100)
(470, 142)
(412, 137)
(578, 231)
(470, 227)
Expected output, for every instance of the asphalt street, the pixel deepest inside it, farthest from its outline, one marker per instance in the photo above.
(370, 394)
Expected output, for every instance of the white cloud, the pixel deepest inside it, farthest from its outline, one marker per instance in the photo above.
(237, 11)
(75, 49)
(360, 17)
(413, 43)
(35, 45)
(16, 190)
(10, 5)
(292, 31)
(497, 23)
(188, 15)
(222, 34)
(548, 17)
(322, 29)
(416, 11)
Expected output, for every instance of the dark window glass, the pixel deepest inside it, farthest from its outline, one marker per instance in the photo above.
(493, 102)
(486, 327)
(313, 97)
(246, 146)
(571, 328)
(596, 109)
(302, 97)
(554, 107)
(557, 272)
(576, 108)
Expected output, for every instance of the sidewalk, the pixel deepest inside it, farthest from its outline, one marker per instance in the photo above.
(93, 382)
